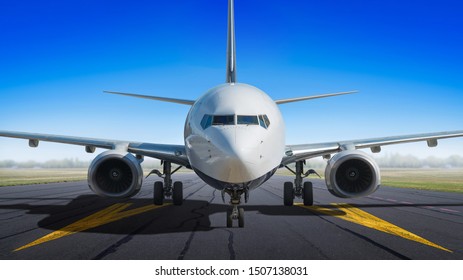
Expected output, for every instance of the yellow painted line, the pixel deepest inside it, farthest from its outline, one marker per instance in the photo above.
(353, 214)
(108, 215)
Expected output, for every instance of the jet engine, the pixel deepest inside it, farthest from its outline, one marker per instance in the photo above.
(116, 175)
(352, 174)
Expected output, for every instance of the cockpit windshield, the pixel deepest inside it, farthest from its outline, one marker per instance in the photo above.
(247, 120)
(209, 120)
(223, 120)
(218, 120)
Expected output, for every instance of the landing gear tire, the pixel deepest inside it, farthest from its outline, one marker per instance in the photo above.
(307, 194)
(177, 193)
(158, 193)
(241, 217)
(288, 194)
(229, 218)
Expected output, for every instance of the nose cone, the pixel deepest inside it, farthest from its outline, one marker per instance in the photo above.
(236, 170)
(240, 158)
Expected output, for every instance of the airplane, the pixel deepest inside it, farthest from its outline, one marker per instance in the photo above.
(234, 140)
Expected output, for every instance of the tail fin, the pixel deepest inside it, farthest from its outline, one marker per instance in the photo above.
(231, 47)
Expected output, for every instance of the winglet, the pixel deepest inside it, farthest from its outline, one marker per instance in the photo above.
(231, 47)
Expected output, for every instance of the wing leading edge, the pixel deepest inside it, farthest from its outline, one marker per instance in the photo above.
(158, 98)
(306, 151)
(173, 153)
(303, 98)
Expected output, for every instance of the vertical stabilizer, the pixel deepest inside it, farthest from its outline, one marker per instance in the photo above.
(231, 47)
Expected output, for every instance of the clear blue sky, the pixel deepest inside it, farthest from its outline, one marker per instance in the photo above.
(56, 58)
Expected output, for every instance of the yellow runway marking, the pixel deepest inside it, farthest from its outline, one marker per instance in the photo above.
(108, 215)
(355, 215)
(343, 211)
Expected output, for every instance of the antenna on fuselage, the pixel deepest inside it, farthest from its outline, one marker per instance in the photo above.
(231, 47)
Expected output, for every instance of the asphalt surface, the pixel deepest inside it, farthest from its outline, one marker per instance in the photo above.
(67, 221)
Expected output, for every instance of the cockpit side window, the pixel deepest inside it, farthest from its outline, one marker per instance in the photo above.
(206, 121)
(264, 121)
(248, 120)
(223, 120)
(261, 121)
(267, 121)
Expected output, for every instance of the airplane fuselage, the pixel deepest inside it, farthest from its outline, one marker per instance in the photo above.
(234, 136)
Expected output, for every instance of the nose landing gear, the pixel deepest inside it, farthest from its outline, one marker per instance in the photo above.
(236, 213)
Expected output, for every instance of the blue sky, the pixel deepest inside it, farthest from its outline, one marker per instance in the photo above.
(405, 58)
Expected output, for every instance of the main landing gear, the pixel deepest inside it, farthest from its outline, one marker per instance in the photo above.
(305, 190)
(166, 189)
(236, 213)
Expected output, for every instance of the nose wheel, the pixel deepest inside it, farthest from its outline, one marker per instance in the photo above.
(235, 213)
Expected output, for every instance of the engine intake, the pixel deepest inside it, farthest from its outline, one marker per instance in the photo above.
(115, 175)
(352, 174)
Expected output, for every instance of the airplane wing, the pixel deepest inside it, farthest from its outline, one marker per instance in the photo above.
(158, 98)
(303, 98)
(295, 153)
(173, 153)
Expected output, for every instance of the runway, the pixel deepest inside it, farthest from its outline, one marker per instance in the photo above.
(67, 221)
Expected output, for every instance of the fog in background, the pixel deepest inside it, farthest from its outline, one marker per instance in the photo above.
(393, 160)
(64, 163)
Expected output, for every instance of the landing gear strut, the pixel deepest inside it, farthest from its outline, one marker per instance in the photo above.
(299, 189)
(166, 189)
(236, 213)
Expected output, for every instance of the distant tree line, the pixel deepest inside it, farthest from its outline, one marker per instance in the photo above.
(410, 161)
(63, 163)
(386, 161)
(395, 160)
(402, 161)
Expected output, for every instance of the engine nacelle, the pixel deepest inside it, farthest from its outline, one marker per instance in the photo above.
(115, 175)
(352, 174)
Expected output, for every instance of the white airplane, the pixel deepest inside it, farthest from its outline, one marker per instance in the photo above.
(235, 141)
